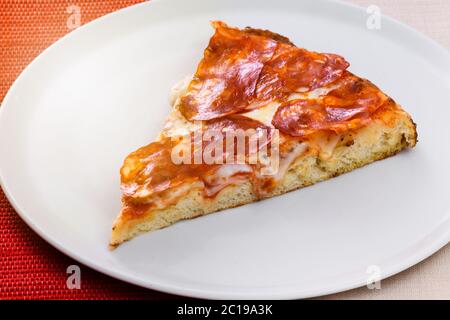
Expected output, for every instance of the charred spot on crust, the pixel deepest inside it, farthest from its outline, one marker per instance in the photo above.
(403, 141)
(350, 143)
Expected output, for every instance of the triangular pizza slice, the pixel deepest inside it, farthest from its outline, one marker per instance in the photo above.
(260, 117)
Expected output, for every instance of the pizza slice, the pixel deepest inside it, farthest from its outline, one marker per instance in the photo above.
(260, 117)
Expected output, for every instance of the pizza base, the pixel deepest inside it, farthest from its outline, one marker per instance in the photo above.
(373, 142)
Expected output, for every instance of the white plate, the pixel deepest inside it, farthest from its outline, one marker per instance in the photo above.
(102, 91)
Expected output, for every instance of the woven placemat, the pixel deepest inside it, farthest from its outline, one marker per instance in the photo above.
(29, 267)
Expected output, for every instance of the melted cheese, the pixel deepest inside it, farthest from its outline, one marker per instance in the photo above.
(289, 158)
(326, 144)
(228, 174)
(178, 89)
(177, 125)
(264, 114)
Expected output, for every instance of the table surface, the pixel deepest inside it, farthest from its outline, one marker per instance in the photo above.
(32, 269)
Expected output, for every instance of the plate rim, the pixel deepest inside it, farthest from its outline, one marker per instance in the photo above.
(440, 238)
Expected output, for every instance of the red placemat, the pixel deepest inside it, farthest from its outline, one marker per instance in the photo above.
(29, 267)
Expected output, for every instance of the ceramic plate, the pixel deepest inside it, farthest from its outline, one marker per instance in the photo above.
(102, 91)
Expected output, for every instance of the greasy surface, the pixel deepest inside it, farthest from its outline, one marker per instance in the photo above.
(244, 67)
(348, 107)
(293, 69)
(226, 78)
(151, 169)
(241, 127)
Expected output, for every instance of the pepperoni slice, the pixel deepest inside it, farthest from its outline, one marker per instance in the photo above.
(226, 78)
(153, 169)
(241, 68)
(240, 134)
(293, 69)
(350, 106)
